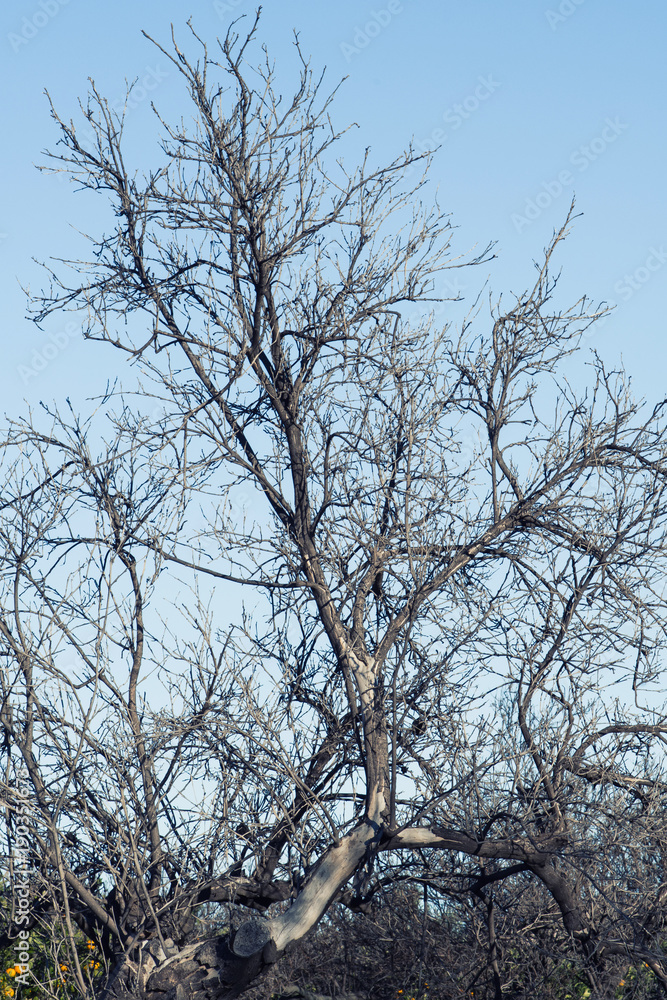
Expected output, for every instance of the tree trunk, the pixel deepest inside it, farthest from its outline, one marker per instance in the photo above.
(222, 967)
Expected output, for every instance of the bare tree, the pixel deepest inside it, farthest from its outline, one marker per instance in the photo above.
(446, 672)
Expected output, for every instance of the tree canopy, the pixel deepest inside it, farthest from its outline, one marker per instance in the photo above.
(442, 689)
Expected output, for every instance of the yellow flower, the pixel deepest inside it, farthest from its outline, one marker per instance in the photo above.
(9, 992)
(90, 945)
(11, 972)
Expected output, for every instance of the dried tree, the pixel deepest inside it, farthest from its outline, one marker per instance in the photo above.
(451, 555)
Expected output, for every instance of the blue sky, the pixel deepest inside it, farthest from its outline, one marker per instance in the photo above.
(531, 101)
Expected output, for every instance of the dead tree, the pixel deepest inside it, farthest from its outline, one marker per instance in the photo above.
(450, 556)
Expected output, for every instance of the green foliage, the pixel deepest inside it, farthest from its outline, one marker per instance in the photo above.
(50, 969)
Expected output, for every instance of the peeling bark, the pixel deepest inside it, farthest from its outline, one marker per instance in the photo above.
(222, 967)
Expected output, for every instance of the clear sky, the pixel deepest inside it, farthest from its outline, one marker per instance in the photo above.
(530, 100)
